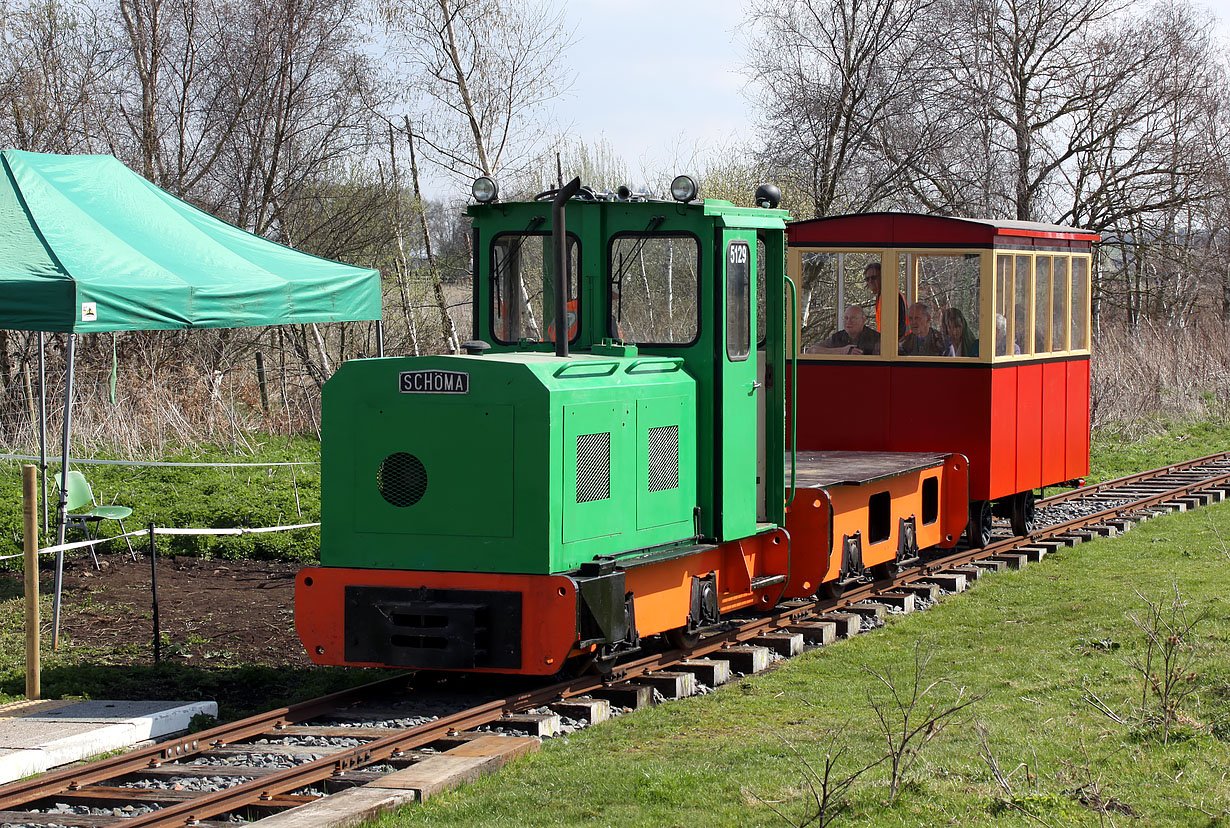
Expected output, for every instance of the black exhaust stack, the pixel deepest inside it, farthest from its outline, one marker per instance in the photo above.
(561, 260)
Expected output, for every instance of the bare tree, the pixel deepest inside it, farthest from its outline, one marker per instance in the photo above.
(57, 62)
(481, 73)
(831, 77)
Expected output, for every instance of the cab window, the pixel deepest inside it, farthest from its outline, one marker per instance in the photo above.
(523, 288)
(653, 288)
(738, 301)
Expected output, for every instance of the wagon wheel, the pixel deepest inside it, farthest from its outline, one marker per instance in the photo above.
(978, 531)
(681, 638)
(1024, 519)
(830, 590)
(886, 571)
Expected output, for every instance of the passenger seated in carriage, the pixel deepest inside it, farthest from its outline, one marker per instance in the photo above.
(922, 340)
(855, 337)
(961, 340)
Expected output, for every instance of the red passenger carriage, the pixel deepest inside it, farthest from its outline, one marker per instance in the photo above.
(1014, 400)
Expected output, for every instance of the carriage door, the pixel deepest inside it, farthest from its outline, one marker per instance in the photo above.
(737, 387)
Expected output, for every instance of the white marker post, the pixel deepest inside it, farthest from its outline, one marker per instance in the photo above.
(29, 487)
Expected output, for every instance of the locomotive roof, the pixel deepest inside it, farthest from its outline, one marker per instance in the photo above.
(921, 230)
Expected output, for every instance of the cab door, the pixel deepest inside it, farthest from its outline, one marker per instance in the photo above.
(737, 385)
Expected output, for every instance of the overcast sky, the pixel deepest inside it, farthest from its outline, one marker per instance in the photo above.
(660, 79)
(655, 77)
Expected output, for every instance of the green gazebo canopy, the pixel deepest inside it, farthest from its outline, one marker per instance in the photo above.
(87, 245)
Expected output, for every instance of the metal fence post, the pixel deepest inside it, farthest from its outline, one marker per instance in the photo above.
(153, 578)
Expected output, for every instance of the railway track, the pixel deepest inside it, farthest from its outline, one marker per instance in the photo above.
(364, 750)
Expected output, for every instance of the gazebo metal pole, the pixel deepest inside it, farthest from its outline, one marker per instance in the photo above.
(63, 508)
(42, 422)
(379, 337)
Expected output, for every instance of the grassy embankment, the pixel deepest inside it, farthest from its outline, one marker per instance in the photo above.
(1035, 642)
(1038, 644)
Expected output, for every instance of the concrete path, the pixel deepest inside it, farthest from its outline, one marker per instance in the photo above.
(36, 736)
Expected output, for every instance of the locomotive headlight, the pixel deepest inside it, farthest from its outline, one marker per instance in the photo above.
(484, 189)
(683, 188)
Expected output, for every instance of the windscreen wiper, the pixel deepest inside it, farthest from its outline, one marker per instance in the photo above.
(626, 261)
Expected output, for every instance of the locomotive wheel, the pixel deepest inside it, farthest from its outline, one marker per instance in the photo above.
(1023, 516)
(978, 531)
(681, 638)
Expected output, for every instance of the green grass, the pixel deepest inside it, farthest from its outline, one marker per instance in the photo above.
(200, 497)
(1033, 641)
(1112, 455)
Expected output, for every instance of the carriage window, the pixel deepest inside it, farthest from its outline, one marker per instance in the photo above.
(1080, 304)
(523, 288)
(1003, 303)
(1020, 322)
(738, 301)
(653, 288)
(1059, 305)
(944, 295)
(1042, 305)
(838, 306)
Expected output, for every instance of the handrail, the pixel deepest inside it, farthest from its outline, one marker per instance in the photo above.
(674, 363)
(794, 389)
(586, 368)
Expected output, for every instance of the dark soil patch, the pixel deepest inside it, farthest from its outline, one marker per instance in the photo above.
(233, 612)
(227, 634)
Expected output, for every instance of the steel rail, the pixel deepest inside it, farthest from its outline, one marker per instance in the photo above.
(1137, 477)
(269, 787)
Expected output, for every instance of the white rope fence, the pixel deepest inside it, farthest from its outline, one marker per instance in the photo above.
(162, 463)
(238, 530)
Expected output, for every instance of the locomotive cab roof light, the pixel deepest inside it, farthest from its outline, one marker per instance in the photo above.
(768, 196)
(684, 189)
(485, 190)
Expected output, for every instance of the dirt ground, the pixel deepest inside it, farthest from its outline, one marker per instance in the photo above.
(210, 611)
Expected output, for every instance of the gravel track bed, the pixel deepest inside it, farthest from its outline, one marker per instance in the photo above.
(273, 761)
(1058, 513)
(313, 741)
(204, 784)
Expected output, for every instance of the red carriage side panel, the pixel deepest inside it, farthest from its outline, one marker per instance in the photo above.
(1002, 449)
(843, 407)
(1054, 421)
(1077, 443)
(1029, 416)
